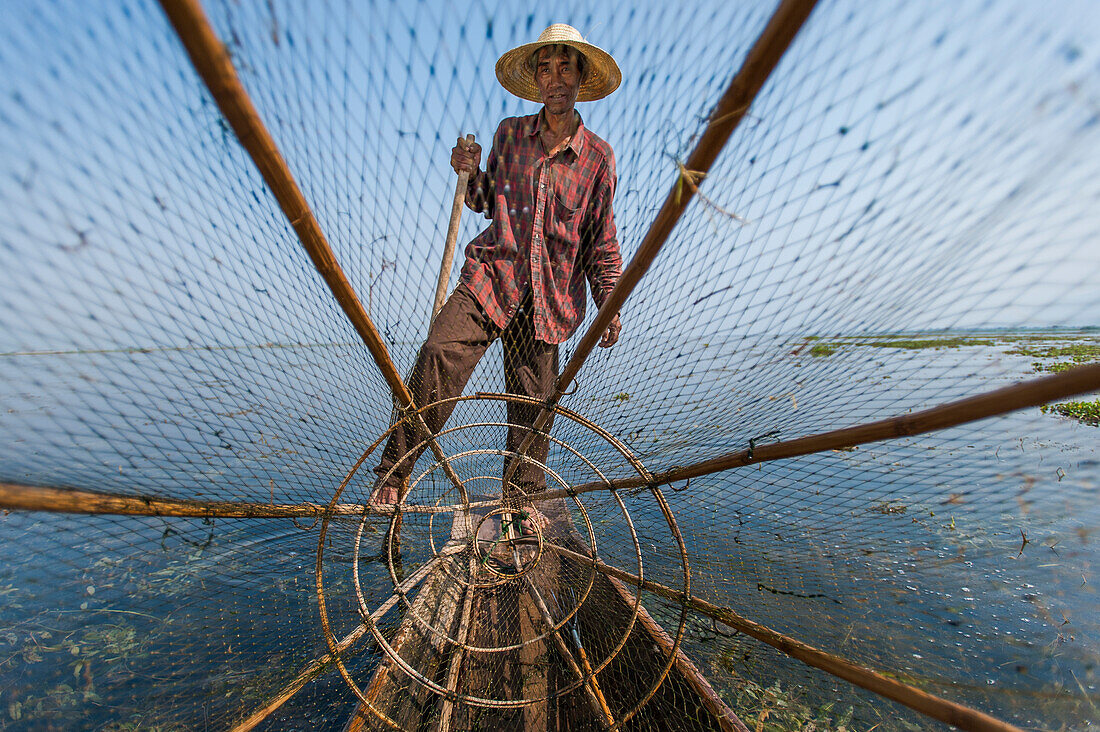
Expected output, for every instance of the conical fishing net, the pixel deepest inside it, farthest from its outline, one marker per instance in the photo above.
(848, 215)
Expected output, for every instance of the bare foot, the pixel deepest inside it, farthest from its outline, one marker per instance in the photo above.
(534, 516)
(384, 494)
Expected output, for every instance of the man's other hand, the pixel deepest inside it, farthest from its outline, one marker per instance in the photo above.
(612, 334)
(466, 158)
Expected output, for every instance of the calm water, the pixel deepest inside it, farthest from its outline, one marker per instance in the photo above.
(961, 561)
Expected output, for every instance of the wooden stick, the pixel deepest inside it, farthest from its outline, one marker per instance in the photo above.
(317, 666)
(452, 237)
(726, 718)
(600, 698)
(14, 496)
(591, 688)
(460, 649)
(762, 58)
(214, 65)
(1032, 393)
(928, 704)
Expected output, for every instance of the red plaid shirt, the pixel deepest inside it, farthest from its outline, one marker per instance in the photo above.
(553, 226)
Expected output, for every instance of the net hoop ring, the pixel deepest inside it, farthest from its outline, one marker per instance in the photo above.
(338, 649)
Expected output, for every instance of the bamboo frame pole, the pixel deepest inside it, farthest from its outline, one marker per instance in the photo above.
(16, 497)
(726, 718)
(592, 690)
(459, 652)
(732, 107)
(1032, 393)
(317, 666)
(214, 65)
(953, 713)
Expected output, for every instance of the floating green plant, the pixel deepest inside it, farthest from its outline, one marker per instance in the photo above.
(1076, 352)
(931, 343)
(1087, 412)
(1054, 368)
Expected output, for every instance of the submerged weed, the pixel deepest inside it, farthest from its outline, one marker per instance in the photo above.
(782, 709)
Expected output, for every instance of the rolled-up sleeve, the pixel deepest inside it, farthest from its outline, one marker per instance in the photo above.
(603, 263)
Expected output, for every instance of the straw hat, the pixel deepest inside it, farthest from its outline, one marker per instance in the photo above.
(515, 74)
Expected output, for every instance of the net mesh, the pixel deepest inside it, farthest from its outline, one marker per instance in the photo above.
(907, 216)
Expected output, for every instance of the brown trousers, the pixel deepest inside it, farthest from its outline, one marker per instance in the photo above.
(458, 339)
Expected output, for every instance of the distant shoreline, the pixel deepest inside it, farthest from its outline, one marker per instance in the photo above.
(1087, 330)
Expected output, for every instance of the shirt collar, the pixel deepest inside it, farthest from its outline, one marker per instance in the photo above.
(576, 144)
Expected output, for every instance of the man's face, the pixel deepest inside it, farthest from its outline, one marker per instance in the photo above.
(558, 76)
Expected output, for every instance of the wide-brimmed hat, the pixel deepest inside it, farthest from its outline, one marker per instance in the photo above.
(515, 74)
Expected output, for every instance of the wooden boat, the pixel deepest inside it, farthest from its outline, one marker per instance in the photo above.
(544, 665)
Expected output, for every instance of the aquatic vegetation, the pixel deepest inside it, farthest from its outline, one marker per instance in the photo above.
(1038, 346)
(101, 653)
(55, 702)
(779, 709)
(1054, 368)
(139, 723)
(1086, 412)
(1076, 352)
(827, 349)
(936, 343)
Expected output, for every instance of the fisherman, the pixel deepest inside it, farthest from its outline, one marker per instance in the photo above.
(547, 188)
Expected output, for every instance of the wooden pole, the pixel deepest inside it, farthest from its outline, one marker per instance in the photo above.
(319, 665)
(214, 65)
(16, 497)
(761, 60)
(726, 718)
(591, 687)
(447, 710)
(1032, 393)
(452, 237)
(928, 704)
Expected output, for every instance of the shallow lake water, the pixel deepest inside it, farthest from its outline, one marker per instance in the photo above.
(960, 561)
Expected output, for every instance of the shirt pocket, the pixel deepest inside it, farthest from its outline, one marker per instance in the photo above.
(564, 219)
